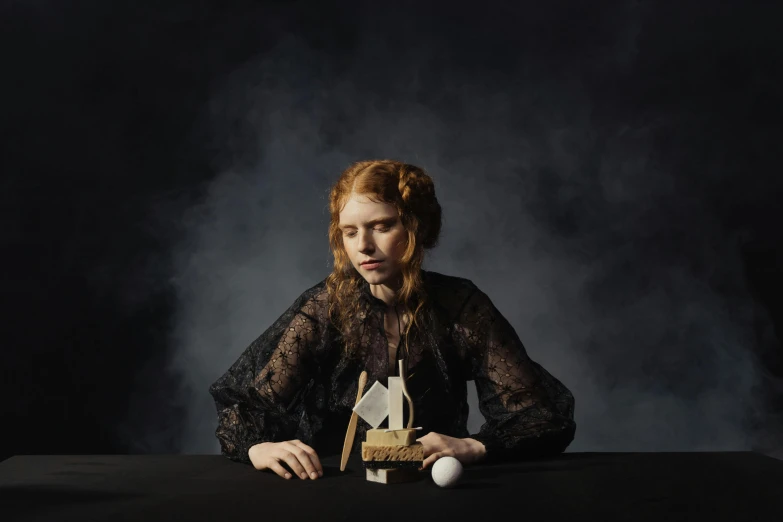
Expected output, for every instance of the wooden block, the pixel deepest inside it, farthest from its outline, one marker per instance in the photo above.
(380, 437)
(413, 452)
(393, 476)
(395, 403)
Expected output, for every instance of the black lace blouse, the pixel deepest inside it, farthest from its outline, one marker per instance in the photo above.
(294, 382)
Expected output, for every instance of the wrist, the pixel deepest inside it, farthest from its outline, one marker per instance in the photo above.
(253, 449)
(477, 448)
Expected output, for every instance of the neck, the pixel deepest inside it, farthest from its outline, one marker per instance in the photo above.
(387, 292)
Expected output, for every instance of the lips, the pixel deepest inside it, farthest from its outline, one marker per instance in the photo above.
(372, 262)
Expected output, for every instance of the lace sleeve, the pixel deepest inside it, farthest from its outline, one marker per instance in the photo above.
(257, 396)
(528, 412)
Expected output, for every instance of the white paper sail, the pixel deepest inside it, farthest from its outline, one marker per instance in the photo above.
(374, 405)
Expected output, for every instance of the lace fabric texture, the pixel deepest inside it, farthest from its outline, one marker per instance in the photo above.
(295, 381)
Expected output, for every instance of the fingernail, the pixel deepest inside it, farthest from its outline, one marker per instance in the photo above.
(313, 474)
(304, 475)
(287, 475)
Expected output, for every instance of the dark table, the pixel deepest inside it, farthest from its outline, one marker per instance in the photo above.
(731, 486)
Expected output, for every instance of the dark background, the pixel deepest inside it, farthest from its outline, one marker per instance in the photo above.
(101, 121)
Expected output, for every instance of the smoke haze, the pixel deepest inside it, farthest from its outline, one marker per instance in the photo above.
(581, 216)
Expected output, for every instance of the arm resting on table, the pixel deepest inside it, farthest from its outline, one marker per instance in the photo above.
(528, 412)
(256, 397)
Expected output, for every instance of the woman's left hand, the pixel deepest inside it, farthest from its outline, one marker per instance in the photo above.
(467, 451)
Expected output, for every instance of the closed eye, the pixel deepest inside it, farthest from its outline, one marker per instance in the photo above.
(383, 229)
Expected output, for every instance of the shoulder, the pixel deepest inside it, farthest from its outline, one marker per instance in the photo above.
(313, 301)
(444, 282)
(450, 292)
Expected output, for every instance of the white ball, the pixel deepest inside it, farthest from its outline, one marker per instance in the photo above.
(446, 471)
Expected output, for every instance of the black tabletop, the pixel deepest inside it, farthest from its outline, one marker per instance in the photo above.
(731, 486)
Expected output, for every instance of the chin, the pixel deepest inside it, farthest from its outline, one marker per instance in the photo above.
(379, 278)
(375, 275)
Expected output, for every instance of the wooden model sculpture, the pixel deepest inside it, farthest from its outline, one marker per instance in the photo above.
(389, 455)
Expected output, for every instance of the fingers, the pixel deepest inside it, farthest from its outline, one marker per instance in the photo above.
(275, 466)
(430, 460)
(312, 454)
(293, 463)
(299, 459)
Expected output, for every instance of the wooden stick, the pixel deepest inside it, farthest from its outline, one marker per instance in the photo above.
(407, 395)
(352, 424)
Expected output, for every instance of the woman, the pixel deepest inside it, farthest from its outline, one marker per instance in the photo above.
(289, 396)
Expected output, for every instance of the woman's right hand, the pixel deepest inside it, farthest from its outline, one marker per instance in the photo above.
(300, 457)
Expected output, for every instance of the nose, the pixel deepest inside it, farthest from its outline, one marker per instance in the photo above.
(365, 242)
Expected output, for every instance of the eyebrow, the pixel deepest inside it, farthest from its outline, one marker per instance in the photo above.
(375, 221)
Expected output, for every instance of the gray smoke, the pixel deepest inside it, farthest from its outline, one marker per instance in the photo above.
(559, 220)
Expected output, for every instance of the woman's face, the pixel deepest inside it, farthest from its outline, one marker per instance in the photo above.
(373, 231)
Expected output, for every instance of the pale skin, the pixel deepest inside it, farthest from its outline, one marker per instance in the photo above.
(371, 230)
